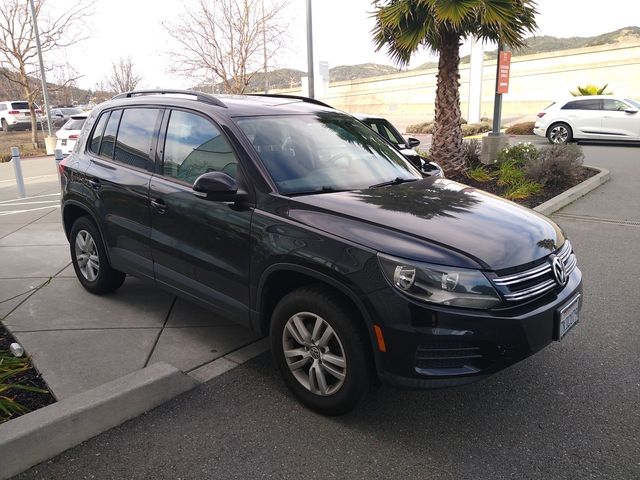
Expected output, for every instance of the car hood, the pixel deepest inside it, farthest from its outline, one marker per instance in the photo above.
(434, 220)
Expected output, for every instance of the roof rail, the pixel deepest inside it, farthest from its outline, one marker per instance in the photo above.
(200, 97)
(293, 97)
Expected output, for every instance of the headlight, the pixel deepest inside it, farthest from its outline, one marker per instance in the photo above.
(438, 284)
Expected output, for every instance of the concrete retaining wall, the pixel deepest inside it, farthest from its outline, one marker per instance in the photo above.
(536, 80)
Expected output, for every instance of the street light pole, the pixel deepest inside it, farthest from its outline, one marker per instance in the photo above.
(310, 51)
(45, 92)
(264, 51)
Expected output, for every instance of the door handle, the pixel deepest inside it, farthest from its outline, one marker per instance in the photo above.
(159, 205)
(95, 184)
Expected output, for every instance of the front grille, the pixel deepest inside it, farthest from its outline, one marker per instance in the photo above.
(536, 281)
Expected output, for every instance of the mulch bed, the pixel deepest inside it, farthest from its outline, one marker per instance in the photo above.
(30, 377)
(547, 193)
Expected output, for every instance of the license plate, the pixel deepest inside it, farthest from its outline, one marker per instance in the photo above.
(568, 316)
(64, 142)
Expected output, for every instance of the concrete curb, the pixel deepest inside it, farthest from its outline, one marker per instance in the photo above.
(44, 433)
(574, 193)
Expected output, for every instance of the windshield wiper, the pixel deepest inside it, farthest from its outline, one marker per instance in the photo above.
(395, 181)
(322, 189)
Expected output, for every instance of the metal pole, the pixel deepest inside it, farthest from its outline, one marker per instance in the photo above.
(310, 50)
(264, 51)
(17, 170)
(42, 76)
(497, 102)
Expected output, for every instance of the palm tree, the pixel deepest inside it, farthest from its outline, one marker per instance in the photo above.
(591, 90)
(403, 26)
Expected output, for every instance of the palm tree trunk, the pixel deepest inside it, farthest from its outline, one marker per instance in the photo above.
(446, 147)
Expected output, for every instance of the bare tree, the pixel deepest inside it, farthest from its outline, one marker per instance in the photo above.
(230, 40)
(122, 77)
(18, 52)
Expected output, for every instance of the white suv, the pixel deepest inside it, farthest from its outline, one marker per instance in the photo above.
(14, 115)
(594, 117)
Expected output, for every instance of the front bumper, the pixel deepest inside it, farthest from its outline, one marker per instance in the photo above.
(433, 347)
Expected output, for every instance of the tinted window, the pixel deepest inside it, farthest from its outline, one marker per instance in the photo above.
(94, 146)
(583, 105)
(195, 146)
(136, 136)
(20, 106)
(109, 138)
(385, 130)
(615, 105)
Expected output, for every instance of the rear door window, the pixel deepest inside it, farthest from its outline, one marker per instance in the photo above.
(593, 104)
(136, 137)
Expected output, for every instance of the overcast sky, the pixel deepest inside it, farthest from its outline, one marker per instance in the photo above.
(120, 28)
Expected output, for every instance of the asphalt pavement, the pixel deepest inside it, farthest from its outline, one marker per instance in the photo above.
(569, 412)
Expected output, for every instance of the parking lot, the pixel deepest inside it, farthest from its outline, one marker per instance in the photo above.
(568, 412)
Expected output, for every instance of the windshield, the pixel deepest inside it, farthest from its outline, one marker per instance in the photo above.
(635, 103)
(324, 152)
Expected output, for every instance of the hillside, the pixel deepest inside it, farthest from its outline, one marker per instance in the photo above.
(546, 43)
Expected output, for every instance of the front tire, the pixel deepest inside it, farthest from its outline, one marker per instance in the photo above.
(320, 350)
(559, 133)
(90, 260)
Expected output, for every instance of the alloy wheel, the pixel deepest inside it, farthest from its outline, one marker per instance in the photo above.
(314, 353)
(87, 255)
(559, 134)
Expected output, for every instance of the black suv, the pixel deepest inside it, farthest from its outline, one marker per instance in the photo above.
(298, 221)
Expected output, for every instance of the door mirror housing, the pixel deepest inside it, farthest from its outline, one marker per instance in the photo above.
(413, 142)
(219, 186)
(631, 110)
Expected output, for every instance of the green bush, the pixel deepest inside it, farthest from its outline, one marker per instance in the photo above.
(556, 165)
(479, 174)
(524, 128)
(522, 190)
(469, 129)
(472, 149)
(424, 128)
(519, 154)
(510, 174)
(11, 366)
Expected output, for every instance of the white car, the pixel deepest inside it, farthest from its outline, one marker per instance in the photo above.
(15, 115)
(594, 117)
(69, 133)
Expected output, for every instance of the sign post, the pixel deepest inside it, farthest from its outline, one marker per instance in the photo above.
(503, 69)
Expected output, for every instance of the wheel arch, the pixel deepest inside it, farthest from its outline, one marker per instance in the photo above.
(280, 279)
(71, 211)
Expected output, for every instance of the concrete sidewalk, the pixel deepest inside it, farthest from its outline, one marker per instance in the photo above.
(78, 340)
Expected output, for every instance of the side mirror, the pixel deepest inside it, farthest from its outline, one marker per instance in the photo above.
(413, 142)
(219, 186)
(631, 110)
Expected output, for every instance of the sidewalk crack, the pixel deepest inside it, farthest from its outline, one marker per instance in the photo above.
(155, 343)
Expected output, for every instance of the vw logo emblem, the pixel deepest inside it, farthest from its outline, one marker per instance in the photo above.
(559, 272)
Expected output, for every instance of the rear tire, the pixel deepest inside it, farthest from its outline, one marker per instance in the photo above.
(559, 133)
(4, 125)
(320, 350)
(89, 258)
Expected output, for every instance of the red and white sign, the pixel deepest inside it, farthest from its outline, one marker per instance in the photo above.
(504, 68)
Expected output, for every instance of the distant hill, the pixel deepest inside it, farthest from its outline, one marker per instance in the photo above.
(546, 43)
